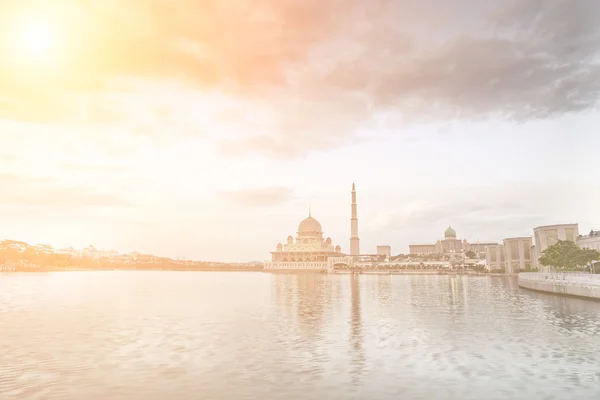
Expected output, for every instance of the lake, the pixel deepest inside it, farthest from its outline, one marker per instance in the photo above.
(232, 336)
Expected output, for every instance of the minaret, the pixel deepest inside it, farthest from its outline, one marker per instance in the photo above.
(354, 241)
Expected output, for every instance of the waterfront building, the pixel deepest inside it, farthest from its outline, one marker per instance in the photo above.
(479, 248)
(422, 249)
(310, 251)
(548, 235)
(385, 250)
(495, 257)
(517, 254)
(449, 245)
(534, 260)
(590, 241)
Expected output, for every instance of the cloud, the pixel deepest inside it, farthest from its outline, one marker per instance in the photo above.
(20, 190)
(319, 72)
(259, 197)
(90, 169)
(21, 180)
(492, 213)
(533, 60)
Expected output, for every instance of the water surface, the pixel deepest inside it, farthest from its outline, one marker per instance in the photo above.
(234, 336)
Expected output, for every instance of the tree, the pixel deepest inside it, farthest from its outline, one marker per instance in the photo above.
(567, 255)
(470, 254)
(586, 257)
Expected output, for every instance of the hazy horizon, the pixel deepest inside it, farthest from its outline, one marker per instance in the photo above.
(206, 129)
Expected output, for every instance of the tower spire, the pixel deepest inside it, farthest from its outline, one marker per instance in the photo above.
(354, 240)
(309, 211)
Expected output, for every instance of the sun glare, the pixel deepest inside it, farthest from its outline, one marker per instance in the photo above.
(36, 38)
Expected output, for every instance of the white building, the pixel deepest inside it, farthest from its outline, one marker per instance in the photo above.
(548, 235)
(494, 257)
(590, 241)
(385, 250)
(449, 245)
(517, 254)
(310, 251)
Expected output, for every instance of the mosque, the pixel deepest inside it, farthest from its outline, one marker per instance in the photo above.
(309, 251)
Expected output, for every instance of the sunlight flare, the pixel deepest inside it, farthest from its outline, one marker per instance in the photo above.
(35, 41)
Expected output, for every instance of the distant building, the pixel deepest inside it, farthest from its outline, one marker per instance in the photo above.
(479, 248)
(385, 250)
(534, 260)
(422, 249)
(517, 254)
(590, 241)
(495, 257)
(549, 235)
(449, 245)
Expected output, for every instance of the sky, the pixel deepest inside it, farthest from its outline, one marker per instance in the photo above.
(205, 129)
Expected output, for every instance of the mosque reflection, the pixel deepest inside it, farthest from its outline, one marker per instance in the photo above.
(356, 334)
(315, 305)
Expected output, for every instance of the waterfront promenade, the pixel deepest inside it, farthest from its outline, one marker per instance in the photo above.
(567, 283)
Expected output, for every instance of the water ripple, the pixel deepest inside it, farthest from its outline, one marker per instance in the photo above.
(158, 335)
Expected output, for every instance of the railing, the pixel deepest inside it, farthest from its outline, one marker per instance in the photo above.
(296, 265)
(566, 278)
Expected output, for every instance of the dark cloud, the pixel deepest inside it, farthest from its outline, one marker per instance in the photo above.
(535, 59)
(327, 68)
(259, 197)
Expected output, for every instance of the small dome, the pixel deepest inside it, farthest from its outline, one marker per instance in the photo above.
(328, 240)
(309, 227)
(450, 232)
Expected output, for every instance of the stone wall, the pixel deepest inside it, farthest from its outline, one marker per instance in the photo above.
(574, 284)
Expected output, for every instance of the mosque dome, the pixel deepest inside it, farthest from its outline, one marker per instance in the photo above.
(450, 232)
(309, 227)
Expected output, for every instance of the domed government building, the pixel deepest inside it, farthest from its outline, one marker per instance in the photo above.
(449, 245)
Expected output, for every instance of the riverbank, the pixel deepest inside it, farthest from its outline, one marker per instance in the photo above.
(87, 269)
(411, 272)
(570, 284)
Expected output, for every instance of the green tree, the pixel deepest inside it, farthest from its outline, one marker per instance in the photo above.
(567, 255)
(586, 257)
(470, 254)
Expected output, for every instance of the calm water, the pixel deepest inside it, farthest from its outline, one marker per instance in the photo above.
(187, 335)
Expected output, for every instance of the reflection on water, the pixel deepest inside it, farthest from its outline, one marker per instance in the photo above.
(356, 338)
(158, 335)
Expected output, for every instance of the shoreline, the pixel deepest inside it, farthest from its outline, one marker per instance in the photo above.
(586, 286)
(84, 269)
(273, 271)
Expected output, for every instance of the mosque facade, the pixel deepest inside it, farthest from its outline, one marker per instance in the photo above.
(310, 250)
